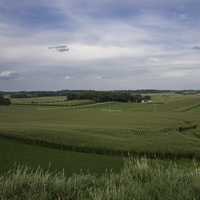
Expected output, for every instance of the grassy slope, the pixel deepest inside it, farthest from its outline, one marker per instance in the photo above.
(139, 179)
(114, 126)
(38, 99)
(12, 153)
(51, 101)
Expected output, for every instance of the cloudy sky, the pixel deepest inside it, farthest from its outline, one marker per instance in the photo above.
(114, 44)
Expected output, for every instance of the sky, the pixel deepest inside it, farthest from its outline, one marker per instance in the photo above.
(113, 44)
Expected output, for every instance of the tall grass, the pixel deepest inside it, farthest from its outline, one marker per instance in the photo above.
(140, 179)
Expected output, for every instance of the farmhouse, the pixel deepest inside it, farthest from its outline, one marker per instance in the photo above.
(146, 101)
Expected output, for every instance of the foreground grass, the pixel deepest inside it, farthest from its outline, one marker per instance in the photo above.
(139, 179)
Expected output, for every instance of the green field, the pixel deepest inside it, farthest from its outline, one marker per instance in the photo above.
(107, 128)
(49, 101)
(15, 153)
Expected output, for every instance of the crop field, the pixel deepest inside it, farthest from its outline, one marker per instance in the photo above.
(49, 101)
(167, 127)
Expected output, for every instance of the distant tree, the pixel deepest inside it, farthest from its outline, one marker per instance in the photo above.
(19, 95)
(147, 98)
(99, 96)
(4, 101)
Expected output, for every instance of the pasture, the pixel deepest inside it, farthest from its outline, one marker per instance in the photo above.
(49, 101)
(15, 153)
(112, 128)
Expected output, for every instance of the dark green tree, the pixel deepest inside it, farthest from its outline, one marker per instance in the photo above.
(4, 101)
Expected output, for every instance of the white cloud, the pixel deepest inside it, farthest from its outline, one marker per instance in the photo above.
(8, 74)
(99, 77)
(145, 45)
(174, 74)
(67, 77)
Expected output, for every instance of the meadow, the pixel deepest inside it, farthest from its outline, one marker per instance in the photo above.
(49, 101)
(110, 128)
(56, 149)
(14, 153)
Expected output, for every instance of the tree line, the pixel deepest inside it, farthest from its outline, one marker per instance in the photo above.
(98, 96)
(29, 94)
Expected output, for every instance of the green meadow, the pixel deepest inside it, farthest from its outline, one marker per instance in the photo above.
(110, 128)
(49, 101)
(14, 153)
(89, 142)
